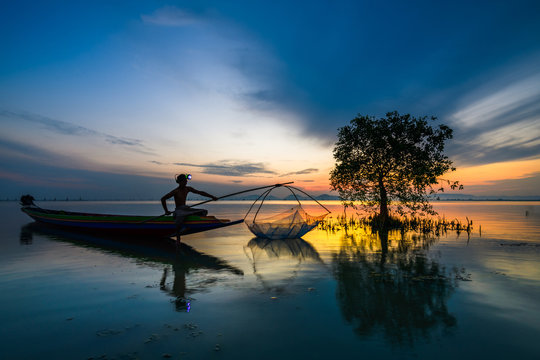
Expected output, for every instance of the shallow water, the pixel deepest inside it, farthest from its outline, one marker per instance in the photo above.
(230, 295)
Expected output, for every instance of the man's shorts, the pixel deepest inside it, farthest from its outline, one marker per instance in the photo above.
(181, 212)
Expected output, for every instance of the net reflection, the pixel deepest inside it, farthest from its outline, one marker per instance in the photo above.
(389, 286)
(276, 263)
(177, 263)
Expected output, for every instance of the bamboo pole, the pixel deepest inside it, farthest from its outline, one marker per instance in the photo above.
(222, 197)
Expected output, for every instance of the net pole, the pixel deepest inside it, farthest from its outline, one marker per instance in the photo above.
(244, 191)
(262, 201)
(296, 197)
(311, 197)
(251, 207)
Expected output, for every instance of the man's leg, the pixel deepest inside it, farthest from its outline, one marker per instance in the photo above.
(179, 220)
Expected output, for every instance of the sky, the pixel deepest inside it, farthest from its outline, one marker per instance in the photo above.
(111, 99)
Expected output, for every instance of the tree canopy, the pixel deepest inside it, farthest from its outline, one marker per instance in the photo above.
(398, 158)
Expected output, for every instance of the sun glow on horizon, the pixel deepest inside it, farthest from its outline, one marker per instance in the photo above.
(488, 173)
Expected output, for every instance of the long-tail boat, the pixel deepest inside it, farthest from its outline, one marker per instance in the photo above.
(121, 225)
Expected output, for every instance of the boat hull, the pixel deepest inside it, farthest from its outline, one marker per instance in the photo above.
(124, 225)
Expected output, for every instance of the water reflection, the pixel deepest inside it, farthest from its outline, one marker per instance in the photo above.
(388, 285)
(276, 263)
(176, 262)
(188, 259)
(294, 248)
(25, 236)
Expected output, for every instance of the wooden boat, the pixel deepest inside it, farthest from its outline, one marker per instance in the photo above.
(124, 225)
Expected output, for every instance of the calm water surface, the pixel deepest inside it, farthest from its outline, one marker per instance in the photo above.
(229, 295)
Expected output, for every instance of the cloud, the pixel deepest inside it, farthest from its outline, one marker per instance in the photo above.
(70, 129)
(523, 134)
(499, 122)
(527, 186)
(171, 16)
(262, 99)
(301, 172)
(231, 168)
(49, 181)
(26, 168)
(501, 103)
(16, 153)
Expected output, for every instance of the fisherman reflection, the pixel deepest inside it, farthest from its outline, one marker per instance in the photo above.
(178, 289)
(179, 264)
(396, 290)
(186, 260)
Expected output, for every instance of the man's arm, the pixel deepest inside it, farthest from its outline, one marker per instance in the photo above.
(202, 193)
(164, 201)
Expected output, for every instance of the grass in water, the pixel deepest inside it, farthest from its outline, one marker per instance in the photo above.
(436, 226)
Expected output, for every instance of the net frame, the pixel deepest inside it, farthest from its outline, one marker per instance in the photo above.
(298, 221)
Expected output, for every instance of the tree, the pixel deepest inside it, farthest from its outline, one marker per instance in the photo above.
(396, 158)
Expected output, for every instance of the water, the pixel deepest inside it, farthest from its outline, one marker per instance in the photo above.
(228, 295)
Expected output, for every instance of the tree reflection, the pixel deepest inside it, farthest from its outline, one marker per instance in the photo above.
(387, 284)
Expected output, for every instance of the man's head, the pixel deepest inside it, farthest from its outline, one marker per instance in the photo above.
(183, 178)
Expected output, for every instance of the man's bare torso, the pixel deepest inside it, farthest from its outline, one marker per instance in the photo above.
(180, 195)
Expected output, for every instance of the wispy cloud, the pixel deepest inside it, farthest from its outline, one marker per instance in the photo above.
(301, 172)
(525, 134)
(171, 16)
(501, 103)
(502, 123)
(70, 129)
(47, 181)
(509, 187)
(231, 168)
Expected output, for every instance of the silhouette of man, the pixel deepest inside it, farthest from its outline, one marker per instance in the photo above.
(180, 196)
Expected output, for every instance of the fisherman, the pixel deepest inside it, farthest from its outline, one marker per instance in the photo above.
(182, 210)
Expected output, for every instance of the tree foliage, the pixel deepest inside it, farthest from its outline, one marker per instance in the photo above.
(396, 158)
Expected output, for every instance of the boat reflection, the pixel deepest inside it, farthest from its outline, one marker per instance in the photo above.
(178, 262)
(26, 235)
(388, 285)
(276, 263)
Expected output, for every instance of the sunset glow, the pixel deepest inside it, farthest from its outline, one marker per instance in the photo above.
(100, 101)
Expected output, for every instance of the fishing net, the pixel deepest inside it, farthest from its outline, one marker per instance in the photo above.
(290, 224)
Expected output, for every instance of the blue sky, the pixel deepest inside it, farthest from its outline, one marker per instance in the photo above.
(111, 99)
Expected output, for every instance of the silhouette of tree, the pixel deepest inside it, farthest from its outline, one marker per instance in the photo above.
(398, 158)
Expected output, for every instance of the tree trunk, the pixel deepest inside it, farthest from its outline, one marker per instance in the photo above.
(383, 212)
(383, 237)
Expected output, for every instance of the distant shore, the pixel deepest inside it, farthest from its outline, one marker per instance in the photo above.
(492, 199)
